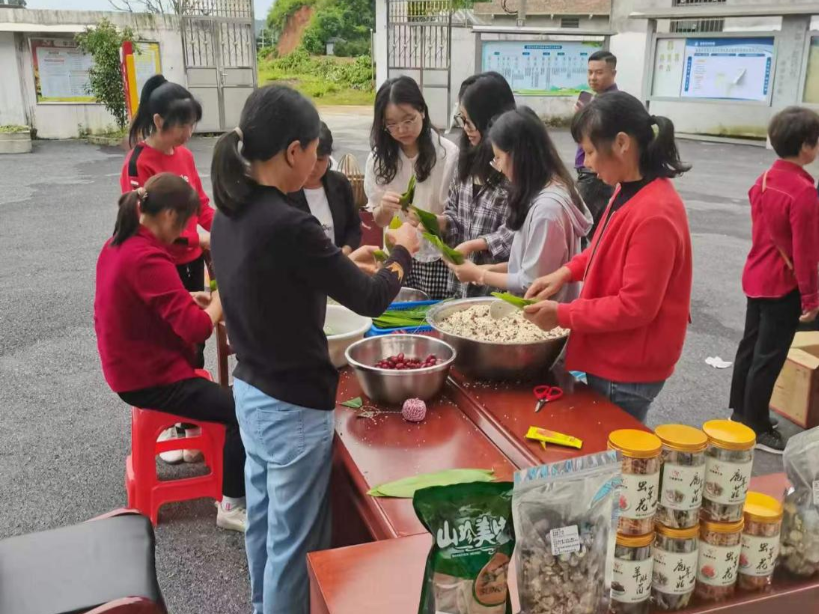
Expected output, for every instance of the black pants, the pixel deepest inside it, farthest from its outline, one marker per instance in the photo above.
(596, 194)
(201, 399)
(192, 275)
(770, 325)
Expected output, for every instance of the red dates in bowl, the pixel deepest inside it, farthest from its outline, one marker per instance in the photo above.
(405, 363)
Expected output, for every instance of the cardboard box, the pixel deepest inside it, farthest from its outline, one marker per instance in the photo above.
(796, 394)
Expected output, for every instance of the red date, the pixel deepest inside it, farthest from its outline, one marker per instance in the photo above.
(405, 363)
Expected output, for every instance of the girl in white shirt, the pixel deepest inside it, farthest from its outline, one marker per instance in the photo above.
(404, 144)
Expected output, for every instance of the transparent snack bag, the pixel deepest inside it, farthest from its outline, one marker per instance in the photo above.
(799, 552)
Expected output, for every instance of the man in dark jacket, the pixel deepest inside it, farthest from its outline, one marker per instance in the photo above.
(328, 195)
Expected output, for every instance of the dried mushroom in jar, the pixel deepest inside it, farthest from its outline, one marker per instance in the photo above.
(682, 475)
(675, 567)
(640, 487)
(718, 560)
(632, 575)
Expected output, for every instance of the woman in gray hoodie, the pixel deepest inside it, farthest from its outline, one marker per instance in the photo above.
(546, 213)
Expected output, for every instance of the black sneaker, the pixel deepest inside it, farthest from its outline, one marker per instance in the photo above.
(770, 442)
(771, 418)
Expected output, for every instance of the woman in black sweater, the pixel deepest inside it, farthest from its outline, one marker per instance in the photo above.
(276, 267)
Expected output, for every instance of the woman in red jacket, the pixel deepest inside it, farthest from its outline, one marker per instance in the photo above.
(163, 124)
(148, 324)
(629, 324)
(780, 277)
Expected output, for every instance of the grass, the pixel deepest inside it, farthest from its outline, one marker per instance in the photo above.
(14, 129)
(319, 88)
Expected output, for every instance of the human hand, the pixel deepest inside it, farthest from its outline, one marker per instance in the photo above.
(204, 240)
(202, 299)
(406, 237)
(467, 248)
(543, 315)
(468, 272)
(390, 204)
(809, 316)
(413, 219)
(549, 285)
(364, 259)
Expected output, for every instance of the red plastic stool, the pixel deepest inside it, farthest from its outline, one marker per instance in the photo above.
(146, 492)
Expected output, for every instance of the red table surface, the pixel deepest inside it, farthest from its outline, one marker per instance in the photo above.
(387, 448)
(386, 576)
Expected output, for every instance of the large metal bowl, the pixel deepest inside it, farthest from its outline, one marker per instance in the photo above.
(495, 361)
(395, 387)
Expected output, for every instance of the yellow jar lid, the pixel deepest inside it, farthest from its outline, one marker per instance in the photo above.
(665, 531)
(681, 437)
(723, 527)
(635, 541)
(635, 444)
(762, 508)
(729, 435)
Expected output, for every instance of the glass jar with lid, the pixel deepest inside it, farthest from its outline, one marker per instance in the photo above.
(639, 492)
(682, 476)
(760, 541)
(675, 567)
(728, 463)
(718, 560)
(632, 575)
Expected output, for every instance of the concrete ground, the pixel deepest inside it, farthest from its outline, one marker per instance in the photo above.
(64, 436)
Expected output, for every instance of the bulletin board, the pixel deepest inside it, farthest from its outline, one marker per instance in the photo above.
(727, 68)
(542, 68)
(811, 93)
(60, 70)
(147, 63)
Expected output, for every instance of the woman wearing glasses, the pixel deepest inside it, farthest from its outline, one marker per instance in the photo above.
(477, 208)
(404, 144)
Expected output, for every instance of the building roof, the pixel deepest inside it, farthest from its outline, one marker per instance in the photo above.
(545, 7)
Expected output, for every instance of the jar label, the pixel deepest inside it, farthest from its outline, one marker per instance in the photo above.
(727, 483)
(565, 540)
(759, 554)
(718, 565)
(638, 496)
(675, 573)
(631, 581)
(682, 487)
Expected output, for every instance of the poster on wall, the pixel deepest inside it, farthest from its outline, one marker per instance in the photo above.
(147, 63)
(545, 68)
(811, 94)
(60, 71)
(728, 68)
(668, 67)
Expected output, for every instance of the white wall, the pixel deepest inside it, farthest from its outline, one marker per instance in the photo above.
(66, 120)
(12, 107)
(380, 42)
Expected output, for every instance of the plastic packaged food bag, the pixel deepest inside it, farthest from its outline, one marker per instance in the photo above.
(800, 524)
(473, 541)
(566, 518)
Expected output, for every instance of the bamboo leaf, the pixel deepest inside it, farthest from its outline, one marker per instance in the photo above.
(356, 403)
(517, 301)
(380, 255)
(406, 487)
(407, 197)
(449, 253)
(429, 221)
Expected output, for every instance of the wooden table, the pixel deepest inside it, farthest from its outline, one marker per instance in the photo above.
(385, 577)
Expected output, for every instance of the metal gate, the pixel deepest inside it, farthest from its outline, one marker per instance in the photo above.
(419, 34)
(220, 59)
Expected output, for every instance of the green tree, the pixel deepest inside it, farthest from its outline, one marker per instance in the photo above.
(103, 43)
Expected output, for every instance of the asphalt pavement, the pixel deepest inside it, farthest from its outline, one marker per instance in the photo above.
(63, 434)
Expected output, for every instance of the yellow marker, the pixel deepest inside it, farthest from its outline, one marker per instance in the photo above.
(545, 436)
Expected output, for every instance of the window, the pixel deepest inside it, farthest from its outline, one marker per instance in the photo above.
(697, 25)
(570, 22)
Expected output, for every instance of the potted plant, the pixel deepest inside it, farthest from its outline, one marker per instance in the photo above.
(15, 139)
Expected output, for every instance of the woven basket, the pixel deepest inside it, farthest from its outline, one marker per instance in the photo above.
(349, 166)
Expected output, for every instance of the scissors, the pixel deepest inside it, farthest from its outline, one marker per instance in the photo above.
(545, 394)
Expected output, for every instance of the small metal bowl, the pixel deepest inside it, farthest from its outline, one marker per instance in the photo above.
(411, 295)
(395, 387)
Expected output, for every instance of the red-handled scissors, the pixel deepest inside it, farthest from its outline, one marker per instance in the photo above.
(545, 394)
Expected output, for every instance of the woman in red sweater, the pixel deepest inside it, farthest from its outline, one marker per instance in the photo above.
(629, 324)
(148, 324)
(163, 124)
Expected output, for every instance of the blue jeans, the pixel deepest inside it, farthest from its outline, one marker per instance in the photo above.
(634, 399)
(287, 474)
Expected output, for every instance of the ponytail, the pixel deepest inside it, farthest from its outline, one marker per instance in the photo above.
(661, 158)
(229, 172)
(161, 192)
(127, 217)
(609, 114)
(172, 102)
(273, 118)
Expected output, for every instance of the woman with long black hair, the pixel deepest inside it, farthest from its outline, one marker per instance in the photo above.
(629, 324)
(546, 213)
(276, 269)
(148, 324)
(164, 122)
(404, 144)
(477, 209)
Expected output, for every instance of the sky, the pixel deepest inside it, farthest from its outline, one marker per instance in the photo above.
(261, 6)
